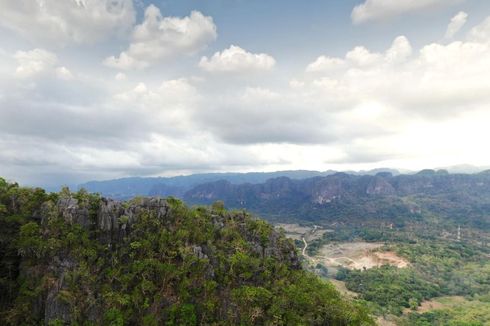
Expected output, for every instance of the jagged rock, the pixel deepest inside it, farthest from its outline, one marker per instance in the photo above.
(380, 186)
(198, 252)
(55, 307)
(72, 212)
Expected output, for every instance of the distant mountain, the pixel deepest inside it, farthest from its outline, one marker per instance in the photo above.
(465, 168)
(176, 186)
(342, 197)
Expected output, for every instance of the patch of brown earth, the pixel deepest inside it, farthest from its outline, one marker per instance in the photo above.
(340, 286)
(358, 255)
(440, 303)
(390, 258)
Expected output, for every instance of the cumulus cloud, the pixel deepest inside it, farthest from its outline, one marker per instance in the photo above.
(62, 22)
(372, 10)
(120, 76)
(236, 59)
(481, 32)
(34, 62)
(159, 38)
(398, 106)
(399, 51)
(145, 129)
(457, 22)
(361, 57)
(439, 79)
(39, 62)
(260, 115)
(325, 64)
(64, 73)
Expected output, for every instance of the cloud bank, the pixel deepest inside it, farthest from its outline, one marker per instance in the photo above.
(373, 10)
(64, 22)
(159, 38)
(235, 108)
(236, 59)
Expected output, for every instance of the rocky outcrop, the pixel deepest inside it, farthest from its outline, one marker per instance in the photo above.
(354, 197)
(380, 186)
(111, 224)
(72, 212)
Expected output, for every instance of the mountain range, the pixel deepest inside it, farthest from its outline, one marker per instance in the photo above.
(342, 197)
(126, 188)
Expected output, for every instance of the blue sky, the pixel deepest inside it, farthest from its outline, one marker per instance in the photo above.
(97, 89)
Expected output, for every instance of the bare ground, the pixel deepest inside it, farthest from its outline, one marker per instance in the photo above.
(353, 255)
(297, 232)
(440, 303)
(358, 255)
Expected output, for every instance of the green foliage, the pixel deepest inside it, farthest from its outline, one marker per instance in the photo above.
(114, 317)
(467, 313)
(458, 268)
(390, 287)
(192, 266)
(438, 267)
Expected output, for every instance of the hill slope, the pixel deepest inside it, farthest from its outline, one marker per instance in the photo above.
(460, 198)
(126, 188)
(82, 259)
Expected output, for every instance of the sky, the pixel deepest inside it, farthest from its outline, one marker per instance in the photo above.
(101, 89)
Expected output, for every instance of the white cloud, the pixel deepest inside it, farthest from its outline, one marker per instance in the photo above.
(481, 32)
(120, 76)
(159, 38)
(402, 106)
(382, 9)
(440, 80)
(362, 56)
(64, 73)
(457, 22)
(399, 51)
(62, 22)
(236, 59)
(324, 64)
(40, 63)
(34, 62)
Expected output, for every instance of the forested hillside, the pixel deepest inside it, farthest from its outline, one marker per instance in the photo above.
(79, 259)
(383, 198)
(126, 188)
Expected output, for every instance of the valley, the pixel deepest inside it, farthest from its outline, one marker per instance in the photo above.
(408, 278)
(407, 250)
(243, 163)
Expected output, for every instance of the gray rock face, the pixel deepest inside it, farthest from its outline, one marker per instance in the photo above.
(114, 218)
(380, 186)
(199, 252)
(72, 212)
(55, 307)
(111, 223)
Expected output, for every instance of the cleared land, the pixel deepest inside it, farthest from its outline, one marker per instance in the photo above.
(298, 232)
(352, 255)
(356, 255)
(440, 303)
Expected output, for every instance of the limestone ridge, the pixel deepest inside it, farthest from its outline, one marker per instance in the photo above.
(113, 225)
(113, 221)
(454, 197)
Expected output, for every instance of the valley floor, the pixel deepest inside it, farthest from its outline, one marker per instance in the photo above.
(403, 277)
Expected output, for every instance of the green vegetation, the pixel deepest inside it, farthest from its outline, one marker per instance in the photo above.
(467, 313)
(390, 289)
(81, 260)
(457, 268)
(438, 267)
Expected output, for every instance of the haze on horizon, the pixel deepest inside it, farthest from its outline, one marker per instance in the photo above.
(99, 89)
